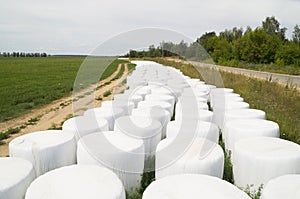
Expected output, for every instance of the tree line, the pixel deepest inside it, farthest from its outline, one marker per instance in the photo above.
(266, 44)
(22, 54)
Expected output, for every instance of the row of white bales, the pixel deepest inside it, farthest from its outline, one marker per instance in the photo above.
(104, 152)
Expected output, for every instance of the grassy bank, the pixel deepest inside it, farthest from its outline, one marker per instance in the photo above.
(274, 68)
(28, 83)
(281, 104)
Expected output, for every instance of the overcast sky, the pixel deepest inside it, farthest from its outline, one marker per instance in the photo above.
(78, 27)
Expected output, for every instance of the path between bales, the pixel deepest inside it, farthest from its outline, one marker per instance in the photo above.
(53, 114)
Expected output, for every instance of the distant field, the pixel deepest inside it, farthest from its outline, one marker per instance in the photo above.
(27, 83)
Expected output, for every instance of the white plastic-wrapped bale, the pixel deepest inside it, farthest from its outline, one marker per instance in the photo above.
(199, 128)
(108, 113)
(186, 100)
(219, 112)
(156, 84)
(210, 87)
(203, 88)
(115, 151)
(177, 83)
(230, 105)
(260, 159)
(286, 186)
(191, 109)
(221, 100)
(193, 186)
(220, 96)
(16, 174)
(146, 129)
(133, 82)
(142, 91)
(199, 156)
(46, 150)
(164, 105)
(77, 182)
(193, 93)
(244, 114)
(127, 106)
(157, 113)
(161, 97)
(80, 126)
(236, 130)
(221, 91)
(129, 97)
(162, 91)
(188, 113)
(181, 106)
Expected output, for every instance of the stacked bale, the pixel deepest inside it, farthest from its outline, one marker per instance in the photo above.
(16, 174)
(46, 150)
(77, 182)
(193, 186)
(258, 160)
(115, 151)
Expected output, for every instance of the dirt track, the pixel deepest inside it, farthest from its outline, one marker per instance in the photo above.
(53, 114)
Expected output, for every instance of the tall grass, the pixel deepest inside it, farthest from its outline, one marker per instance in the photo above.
(281, 103)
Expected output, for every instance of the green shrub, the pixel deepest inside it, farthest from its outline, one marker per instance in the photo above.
(106, 93)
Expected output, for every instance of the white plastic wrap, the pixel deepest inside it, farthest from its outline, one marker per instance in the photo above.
(221, 91)
(127, 106)
(203, 115)
(133, 83)
(142, 91)
(106, 113)
(230, 105)
(161, 97)
(162, 90)
(236, 130)
(193, 186)
(157, 113)
(165, 105)
(46, 150)
(258, 160)
(219, 111)
(286, 186)
(244, 114)
(227, 98)
(194, 93)
(201, 156)
(189, 105)
(146, 129)
(129, 96)
(202, 129)
(221, 97)
(203, 88)
(16, 174)
(115, 151)
(77, 182)
(80, 126)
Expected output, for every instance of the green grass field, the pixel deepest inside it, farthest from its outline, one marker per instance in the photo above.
(27, 83)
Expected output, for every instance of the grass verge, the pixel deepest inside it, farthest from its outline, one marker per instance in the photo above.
(281, 104)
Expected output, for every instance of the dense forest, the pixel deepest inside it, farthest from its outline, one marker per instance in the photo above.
(266, 44)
